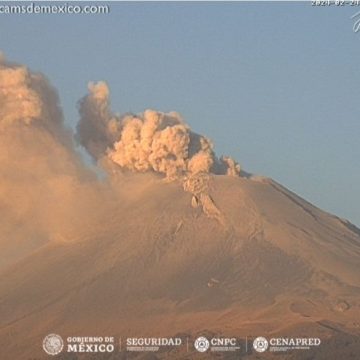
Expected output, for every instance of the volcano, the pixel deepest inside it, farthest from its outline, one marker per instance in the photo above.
(268, 263)
(160, 238)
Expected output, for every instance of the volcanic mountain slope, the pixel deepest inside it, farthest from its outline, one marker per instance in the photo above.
(161, 237)
(158, 263)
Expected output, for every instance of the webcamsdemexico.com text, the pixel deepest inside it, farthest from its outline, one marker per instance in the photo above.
(34, 8)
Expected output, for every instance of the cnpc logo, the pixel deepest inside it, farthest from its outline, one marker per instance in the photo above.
(202, 344)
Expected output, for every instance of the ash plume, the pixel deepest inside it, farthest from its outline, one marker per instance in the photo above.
(98, 128)
(27, 98)
(151, 141)
(45, 189)
(44, 183)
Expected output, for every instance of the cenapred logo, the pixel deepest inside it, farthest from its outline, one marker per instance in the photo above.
(53, 344)
(260, 344)
(202, 344)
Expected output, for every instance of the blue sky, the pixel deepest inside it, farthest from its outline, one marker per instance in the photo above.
(275, 85)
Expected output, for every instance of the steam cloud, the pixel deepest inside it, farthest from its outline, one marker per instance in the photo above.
(152, 141)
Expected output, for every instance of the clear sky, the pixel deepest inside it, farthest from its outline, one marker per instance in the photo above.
(275, 85)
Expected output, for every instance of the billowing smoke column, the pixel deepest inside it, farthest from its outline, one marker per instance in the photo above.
(152, 141)
(162, 143)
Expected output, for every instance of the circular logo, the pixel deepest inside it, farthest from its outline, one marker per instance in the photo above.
(260, 344)
(201, 344)
(53, 344)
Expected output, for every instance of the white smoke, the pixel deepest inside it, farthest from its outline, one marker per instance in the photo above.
(152, 141)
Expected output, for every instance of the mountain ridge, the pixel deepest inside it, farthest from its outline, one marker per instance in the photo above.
(158, 258)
